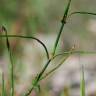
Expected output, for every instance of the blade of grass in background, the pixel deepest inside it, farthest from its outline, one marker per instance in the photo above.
(3, 85)
(75, 52)
(82, 81)
(11, 63)
(52, 70)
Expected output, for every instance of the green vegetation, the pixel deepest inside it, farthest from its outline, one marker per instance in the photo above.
(42, 75)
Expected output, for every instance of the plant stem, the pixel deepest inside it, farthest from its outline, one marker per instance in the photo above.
(11, 62)
(57, 40)
(63, 21)
(29, 37)
(82, 13)
(52, 70)
(61, 62)
(37, 79)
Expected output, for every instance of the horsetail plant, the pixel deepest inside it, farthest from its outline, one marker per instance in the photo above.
(42, 73)
(63, 21)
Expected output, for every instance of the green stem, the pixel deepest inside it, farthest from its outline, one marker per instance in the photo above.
(57, 40)
(75, 52)
(29, 37)
(81, 12)
(68, 54)
(37, 79)
(52, 70)
(63, 21)
(61, 62)
(12, 65)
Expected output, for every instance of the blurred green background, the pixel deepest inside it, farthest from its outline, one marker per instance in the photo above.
(41, 18)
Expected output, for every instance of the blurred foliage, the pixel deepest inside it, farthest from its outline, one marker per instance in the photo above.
(32, 17)
(35, 16)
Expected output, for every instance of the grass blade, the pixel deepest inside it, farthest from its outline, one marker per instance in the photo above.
(68, 53)
(76, 52)
(3, 85)
(61, 62)
(11, 60)
(82, 83)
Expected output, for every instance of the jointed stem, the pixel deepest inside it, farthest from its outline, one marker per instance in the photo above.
(63, 21)
(57, 40)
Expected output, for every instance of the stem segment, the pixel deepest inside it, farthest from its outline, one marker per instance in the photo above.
(63, 21)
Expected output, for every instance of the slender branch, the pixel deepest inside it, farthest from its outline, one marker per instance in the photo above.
(82, 13)
(61, 62)
(52, 70)
(82, 85)
(68, 54)
(76, 52)
(29, 37)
